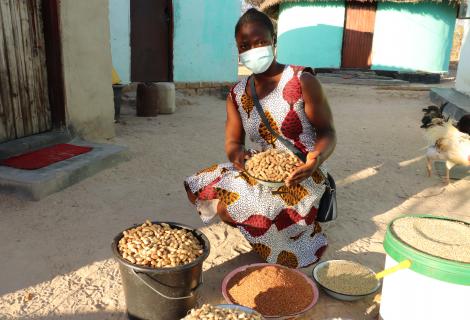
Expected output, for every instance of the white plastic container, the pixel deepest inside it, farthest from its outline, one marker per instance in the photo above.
(408, 295)
(432, 289)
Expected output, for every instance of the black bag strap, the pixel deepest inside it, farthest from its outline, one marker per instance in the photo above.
(289, 145)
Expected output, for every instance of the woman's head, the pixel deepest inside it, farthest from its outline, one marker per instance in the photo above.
(254, 29)
(255, 38)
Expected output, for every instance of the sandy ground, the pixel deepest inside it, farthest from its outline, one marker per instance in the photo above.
(56, 261)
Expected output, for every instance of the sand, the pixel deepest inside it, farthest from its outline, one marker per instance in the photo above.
(56, 261)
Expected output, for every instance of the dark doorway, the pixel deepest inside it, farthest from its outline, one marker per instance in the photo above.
(358, 34)
(151, 40)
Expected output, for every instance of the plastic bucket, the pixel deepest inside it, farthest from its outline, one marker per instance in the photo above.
(164, 293)
(147, 100)
(433, 288)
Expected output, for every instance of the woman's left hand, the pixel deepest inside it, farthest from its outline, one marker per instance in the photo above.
(303, 172)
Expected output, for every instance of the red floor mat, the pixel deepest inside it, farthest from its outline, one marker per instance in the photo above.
(44, 157)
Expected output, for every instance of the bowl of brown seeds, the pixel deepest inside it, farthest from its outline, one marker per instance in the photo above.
(271, 167)
(345, 280)
(275, 291)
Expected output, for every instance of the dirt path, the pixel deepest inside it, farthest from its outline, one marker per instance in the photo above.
(56, 259)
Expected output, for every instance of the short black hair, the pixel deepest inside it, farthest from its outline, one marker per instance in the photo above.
(254, 16)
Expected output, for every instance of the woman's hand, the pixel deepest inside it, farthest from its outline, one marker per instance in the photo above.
(240, 158)
(303, 172)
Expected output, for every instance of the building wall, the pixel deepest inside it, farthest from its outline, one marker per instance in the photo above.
(87, 67)
(204, 41)
(463, 72)
(413, 37)
(311, 34)
(119, 20)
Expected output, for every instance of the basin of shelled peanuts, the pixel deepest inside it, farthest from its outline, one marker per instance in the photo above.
(209, 312)
(272, 165)
(159, 246)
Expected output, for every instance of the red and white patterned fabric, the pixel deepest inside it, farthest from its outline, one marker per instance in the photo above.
(281, 227)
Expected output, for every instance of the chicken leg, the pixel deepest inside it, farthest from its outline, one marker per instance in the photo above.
(448, 165)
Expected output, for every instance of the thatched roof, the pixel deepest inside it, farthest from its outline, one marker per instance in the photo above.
(271, 7)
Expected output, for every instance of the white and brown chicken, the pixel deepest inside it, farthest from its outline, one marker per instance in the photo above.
(447, 142)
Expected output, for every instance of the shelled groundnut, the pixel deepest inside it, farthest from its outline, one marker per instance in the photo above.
(272, 165)
(208, 312)
(159, 246)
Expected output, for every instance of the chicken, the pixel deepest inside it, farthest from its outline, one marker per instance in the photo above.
(446, 143)
(464, 124)
(431, 112)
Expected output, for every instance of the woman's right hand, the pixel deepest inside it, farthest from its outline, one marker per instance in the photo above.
(239, 159)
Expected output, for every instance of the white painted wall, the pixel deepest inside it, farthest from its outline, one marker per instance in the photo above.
(462, 83)
(87, 67)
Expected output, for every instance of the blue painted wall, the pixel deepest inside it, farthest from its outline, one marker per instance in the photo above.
(311, 34)
(119, 24)
(203, 46)
(413, 37)
(204, 43)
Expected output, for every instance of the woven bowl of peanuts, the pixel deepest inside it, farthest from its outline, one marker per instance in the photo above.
(271, 167)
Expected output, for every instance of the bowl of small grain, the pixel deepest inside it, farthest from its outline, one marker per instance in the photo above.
(271, 167)
(345, 280)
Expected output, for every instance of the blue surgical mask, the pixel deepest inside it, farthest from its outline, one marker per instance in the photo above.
(258, 60)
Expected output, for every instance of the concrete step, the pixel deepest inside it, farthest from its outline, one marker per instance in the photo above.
(31, 143)
(458, 106)
(37, 184)
(368, 81)
(458, 103)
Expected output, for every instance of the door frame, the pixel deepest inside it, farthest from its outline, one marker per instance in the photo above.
(54, 62)
(170, 16)
(344, 36)
(171, 26)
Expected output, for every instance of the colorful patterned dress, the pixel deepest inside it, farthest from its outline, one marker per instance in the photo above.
(279, 225)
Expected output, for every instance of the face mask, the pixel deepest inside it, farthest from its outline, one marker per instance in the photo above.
(258, 60)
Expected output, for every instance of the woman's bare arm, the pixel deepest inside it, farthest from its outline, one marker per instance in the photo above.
(319, 114)
(234, 135)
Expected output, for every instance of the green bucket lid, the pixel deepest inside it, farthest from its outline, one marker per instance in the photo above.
(424, 263)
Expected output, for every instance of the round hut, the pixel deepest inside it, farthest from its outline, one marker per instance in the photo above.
(392, 35)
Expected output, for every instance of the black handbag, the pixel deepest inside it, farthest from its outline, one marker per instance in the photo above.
(327, 210)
